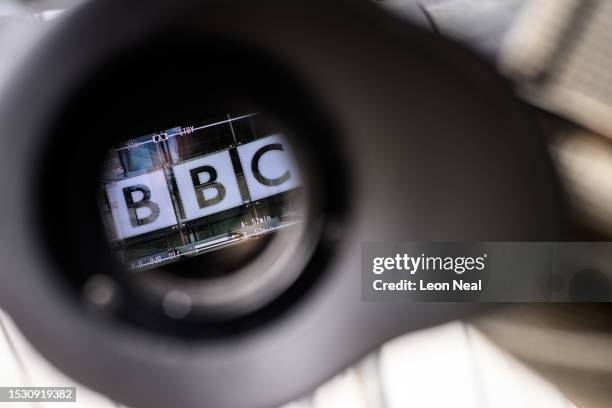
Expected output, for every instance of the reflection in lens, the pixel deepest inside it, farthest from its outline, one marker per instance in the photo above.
(196, 207)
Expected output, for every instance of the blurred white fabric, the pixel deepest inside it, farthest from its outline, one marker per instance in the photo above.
(451, 365)
(23, 366)
(448, 366)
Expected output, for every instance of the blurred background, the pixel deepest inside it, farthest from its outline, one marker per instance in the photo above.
(558, 55)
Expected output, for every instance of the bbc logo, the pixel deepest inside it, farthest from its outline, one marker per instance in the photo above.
(206, 185)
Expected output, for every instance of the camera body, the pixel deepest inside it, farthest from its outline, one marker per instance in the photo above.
(399, 135)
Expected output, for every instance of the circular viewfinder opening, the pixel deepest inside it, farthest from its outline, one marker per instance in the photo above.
(208, 218)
